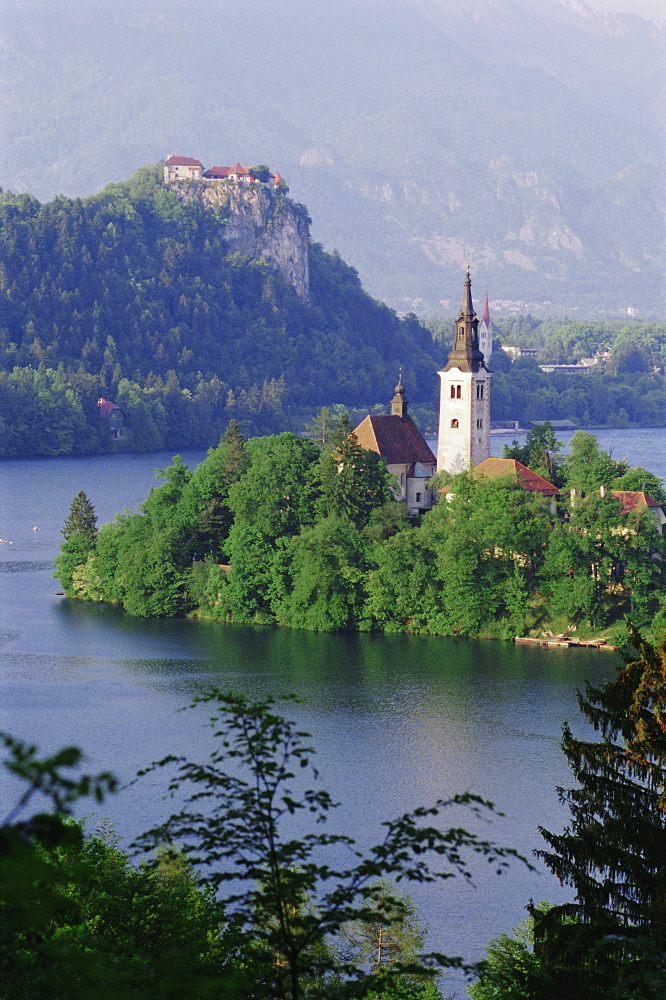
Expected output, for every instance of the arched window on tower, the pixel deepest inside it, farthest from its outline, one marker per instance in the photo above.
(458, 391)
(453, 392)
(454, 422)
(479, 390)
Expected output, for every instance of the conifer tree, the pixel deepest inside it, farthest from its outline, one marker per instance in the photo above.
(613, 853)
(233, 453)
(342, 430)
(81, 519)
(80, 531)
(322, 427)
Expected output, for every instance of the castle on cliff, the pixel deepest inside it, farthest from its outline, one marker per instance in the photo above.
(251, 203)
(185, 168)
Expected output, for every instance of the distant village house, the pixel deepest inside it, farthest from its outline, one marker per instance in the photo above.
(114, 416)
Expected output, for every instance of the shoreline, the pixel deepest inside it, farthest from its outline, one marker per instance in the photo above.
(562, 642)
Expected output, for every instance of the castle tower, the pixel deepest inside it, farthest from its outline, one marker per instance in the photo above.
(464, 400)
(486, 333)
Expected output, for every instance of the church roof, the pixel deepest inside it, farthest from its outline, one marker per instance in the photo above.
(396, 439)
(495, 468)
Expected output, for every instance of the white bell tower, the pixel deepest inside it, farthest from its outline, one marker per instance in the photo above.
(464, 400)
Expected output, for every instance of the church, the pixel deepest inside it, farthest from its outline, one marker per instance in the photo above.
(464, 396)
(464, 417)
(396, 438)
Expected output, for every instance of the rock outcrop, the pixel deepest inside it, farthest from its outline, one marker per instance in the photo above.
(258, 223)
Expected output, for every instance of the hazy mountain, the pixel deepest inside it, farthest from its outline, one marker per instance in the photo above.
(527, 137)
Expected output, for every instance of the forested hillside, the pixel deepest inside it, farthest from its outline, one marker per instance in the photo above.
(132, 296)
(626, 386)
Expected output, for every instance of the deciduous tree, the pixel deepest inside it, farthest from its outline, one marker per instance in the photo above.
(235, 823)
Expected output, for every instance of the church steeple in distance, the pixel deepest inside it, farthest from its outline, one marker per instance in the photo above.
(399, 403)
(486, 333)
(466, 355)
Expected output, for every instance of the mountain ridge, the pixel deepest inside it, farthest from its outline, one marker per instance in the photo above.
(405, 140)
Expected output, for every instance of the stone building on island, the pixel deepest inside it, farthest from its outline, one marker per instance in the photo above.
(464, 400)
(396, 438)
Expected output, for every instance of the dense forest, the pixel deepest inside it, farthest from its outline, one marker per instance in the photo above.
(280, 530)
(132, 296)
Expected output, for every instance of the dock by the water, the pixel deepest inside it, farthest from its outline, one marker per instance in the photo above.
(563, 641)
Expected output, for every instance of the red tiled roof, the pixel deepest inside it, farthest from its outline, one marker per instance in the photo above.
(217, 172)
(532, 481)
(398, 441)
(237, 169)
(631, 500)
(183, 161)
(104, 407)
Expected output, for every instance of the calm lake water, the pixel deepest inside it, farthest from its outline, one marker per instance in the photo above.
(398, 720)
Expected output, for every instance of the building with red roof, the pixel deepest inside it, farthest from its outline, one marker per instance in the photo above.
(498, 468)
(635, 502)
(114, 416)
(216, 173)
(182, 168)
(396, 438)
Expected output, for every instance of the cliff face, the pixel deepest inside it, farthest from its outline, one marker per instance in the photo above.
(258, 223)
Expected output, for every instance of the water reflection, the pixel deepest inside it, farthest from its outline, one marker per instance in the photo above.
(398, 720)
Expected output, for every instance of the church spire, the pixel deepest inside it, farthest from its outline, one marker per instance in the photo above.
(467, 309)
(399, 403)
(486, 333)
(466, 354)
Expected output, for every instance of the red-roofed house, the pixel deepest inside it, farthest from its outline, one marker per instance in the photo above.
(114, 416)
(216, 173)
(396, 438)
(635, 502)
(182, 168)
(495, 468)
(239, 173)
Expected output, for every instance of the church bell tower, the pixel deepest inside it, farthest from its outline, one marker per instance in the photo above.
(464, 400)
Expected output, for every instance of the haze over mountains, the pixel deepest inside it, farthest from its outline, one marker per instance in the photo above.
(526, 137)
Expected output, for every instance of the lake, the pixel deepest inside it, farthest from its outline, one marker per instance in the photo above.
(398, 721)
